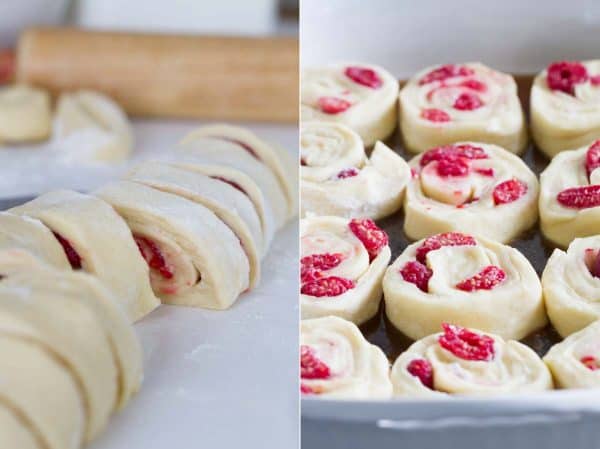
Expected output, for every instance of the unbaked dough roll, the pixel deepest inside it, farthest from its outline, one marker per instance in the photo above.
(570, 195)
(360, 96)
(24, 114)
(90, 126)
(565, 106)
(571, 285)
(15, 432)
(225, 201)
(469, 281)
(336, 361)
(195, 259)
(279, 160)
(338, 179)
(468, 362)
(575, 361)
(342, 264)
(454, 102)
(470, 187)
(96, 239)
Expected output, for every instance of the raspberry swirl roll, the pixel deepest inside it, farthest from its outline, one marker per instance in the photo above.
(466, 280)
(454, 102)
(565, 106)
(338, 179)
(360, 96)
(571, 285)
(468, 362)
(570, 195)
(336, 361)
(575, 362)
(342, 264)
(477, 188)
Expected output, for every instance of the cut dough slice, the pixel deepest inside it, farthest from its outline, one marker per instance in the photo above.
(195, 259)
(469, 281)
(468, 362)
(575, 361)
(36, 388)
(225, 201)
(342, 264)
(338, 179)
(571, 285)
(279, 160)
(336, 361)
(470, 187)
(24, 114)
(570, 195)
(97, 240)
(565, 106)
(451, 103)
(360, 96)
(91, 126)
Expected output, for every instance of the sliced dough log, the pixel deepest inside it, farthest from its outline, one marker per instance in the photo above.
(196, 259)
(279, 160)
(15, 431)
(24, 114)
(103, 242)
(226, 202)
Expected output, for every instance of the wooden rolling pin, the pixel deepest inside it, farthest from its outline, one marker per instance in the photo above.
(225, 78)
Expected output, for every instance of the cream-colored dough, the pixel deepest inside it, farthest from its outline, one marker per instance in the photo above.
(102, 240)
(372, 112)
(436, 203)
(208, 264)
(498, 121)
(15, 433)
(24, 114)
(357, 369)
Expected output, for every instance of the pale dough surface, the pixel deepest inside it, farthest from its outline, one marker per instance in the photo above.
(24, 114)
(15, 433)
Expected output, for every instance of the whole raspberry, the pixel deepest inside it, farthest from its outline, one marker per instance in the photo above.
(311, 367)
(311, 267)
(435, 115)
(467, 345)
(364, 76)
(437, 241)
(592, 158)
(333, 105)
(467, 101)
(580, 197)
(327, 286)
(417, 273)
(444, 72)
(422, 369)
(372, 237)
(564, 75)
(486, 279)
(509, 191)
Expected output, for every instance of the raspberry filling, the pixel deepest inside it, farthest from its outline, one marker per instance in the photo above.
(435, 115)
(7, 66)
(327, 286)
(311, 367)
(452, 167)
(311, 267)
(347, 173)
(453, 152)
(592, 158)
(467, 345)
(333, 105)
(467, 101)
(595, 80)
(509, 191)
(72, 255)
(474, 85)
(233, 184)
(488, 172)
(438, 241)
(372, 237)
(592, 261)
(565, 75)
(486, 279)
(154, 257)
(444, 72)
(422, 369)
(305, 389)
(364, 76)
(244, 145)
(590, 362)
(580, 197)
(417, 273)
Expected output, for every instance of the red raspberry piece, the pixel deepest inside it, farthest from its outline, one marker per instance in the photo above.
(364, 76)
(509, 191)
(564, 75)
(590, 362)
(417, 273)
(595, 80)
(444, 72)
(327, 286)
(305, 389)
(447, 239)
(592, 261)
(372, 236)
(474, 85)
(486, 279)
(422, 369)
(467, 345)
(72, 256)
(580, 197)
(453, 152)
(244, 145)
(153, 256)
(489, 172)
(7, 65)
(313, 265)
(347, 173)
(233, 184)
(467, 101)
(333, 105)
(452, 167)
(592, 158)
(435, 115)
(311, 367)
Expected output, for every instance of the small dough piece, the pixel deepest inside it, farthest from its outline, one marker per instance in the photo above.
(455, 102)
(225, 201)
(336, 361)
(195, 259)
(470, 187)
(468, 362)
(91, 126)
(570, 196)
(465, 280)
(277, 159)
(575, 361)
(341, 271)
(571, 285)
(37, 388)
(360, 96)
(565, 106)
(102, 243)
(338, 179)
(24, 114)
